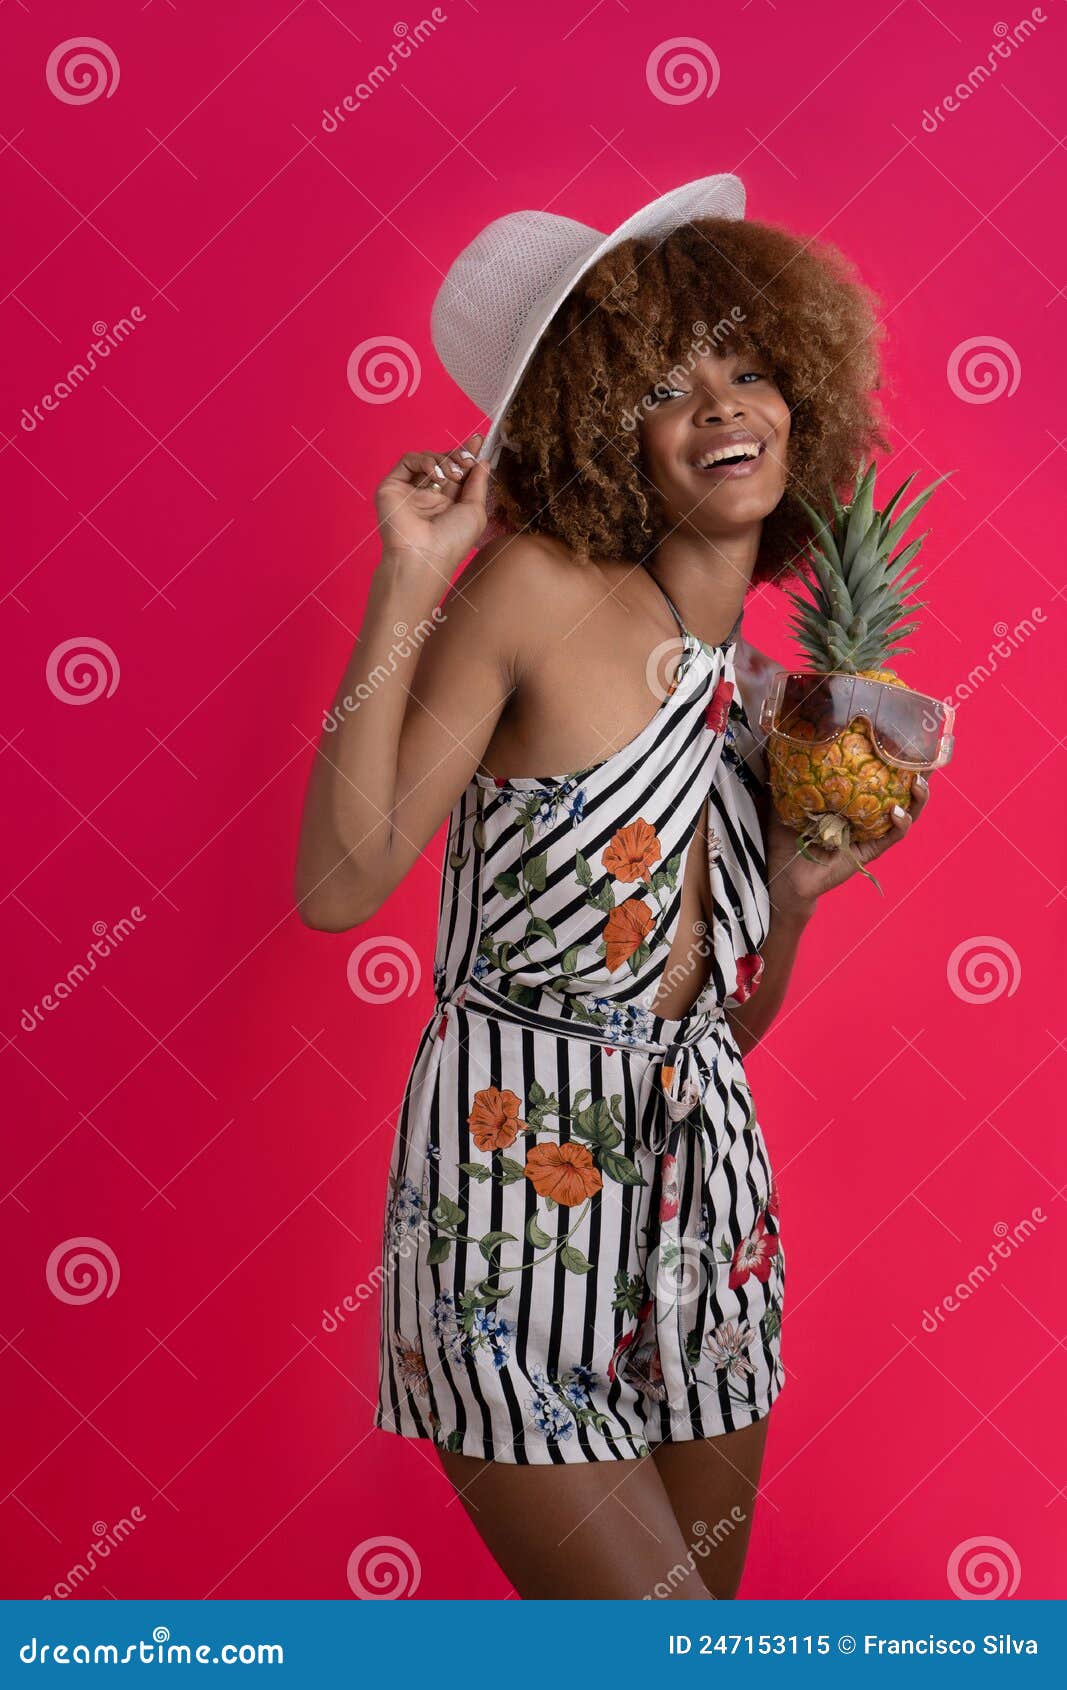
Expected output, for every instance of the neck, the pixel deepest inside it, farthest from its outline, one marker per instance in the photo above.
(707, 578)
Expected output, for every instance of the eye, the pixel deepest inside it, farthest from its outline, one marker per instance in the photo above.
(661, 392)
(752, 375)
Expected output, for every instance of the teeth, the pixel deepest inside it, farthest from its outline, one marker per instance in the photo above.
(746, 449)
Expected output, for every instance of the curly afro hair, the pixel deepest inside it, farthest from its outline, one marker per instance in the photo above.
(572, 465)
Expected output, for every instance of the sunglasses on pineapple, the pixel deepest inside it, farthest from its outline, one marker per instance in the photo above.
(907, 728)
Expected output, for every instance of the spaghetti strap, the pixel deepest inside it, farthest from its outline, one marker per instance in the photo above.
(731, 636)
(682, 629)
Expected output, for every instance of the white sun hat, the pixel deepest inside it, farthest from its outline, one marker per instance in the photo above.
(500, 294)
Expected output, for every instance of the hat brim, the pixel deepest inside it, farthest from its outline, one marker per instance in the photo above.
(708, 196)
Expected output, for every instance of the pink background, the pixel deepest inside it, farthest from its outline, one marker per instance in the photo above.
(215, 1103)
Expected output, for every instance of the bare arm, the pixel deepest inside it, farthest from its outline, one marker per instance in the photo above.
(419, 699)
(750, 1020)
(796, 884)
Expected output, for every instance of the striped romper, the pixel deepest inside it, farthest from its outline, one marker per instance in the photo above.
(581, 1255)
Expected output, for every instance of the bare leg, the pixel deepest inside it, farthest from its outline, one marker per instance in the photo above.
(712, 1485)
(600, 1529)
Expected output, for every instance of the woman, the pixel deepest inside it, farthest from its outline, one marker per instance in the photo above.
(583, 1273)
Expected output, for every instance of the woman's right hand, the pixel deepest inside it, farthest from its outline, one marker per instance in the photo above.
(431, 506)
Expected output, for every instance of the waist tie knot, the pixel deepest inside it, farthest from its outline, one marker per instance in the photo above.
(681, 1095)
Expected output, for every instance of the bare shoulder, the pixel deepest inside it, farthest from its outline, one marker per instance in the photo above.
(523, 589)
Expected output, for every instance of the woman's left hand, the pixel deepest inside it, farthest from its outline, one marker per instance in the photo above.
(796, 882)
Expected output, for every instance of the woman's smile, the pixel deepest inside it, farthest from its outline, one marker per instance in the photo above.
(735, 453)
(716, 430)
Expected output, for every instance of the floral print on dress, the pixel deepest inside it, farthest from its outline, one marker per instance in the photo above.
(668, 1198)
(404, 1214)
(632, 852)
(717, 712)
(493, 1119)
(627, 860)
(754, 1255)
(566, 1175)
(637, 1360)
(471, 1328)
(411, 1366)
(749, 974)
(632, 860)
(561, 902)
(623, 1023)
(728, 1346)
(564, 1172)
(559, 1405)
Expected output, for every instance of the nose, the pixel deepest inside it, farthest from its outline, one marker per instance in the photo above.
(715, 403)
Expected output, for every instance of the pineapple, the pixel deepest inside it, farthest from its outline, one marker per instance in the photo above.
(840, 794)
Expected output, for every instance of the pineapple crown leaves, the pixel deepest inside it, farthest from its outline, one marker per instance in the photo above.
(848, 616)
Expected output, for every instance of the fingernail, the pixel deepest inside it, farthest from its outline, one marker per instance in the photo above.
(897, 813)
(921, 782)
(439, 472)
(466, 454)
